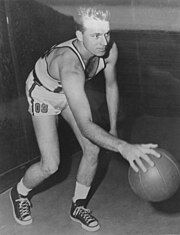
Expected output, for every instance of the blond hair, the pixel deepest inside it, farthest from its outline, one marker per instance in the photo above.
(89, 12)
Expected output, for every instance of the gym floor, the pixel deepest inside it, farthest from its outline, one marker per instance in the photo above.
(118, 209)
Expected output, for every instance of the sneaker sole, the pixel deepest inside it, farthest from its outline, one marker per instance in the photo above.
(89, 229)
(14, 214)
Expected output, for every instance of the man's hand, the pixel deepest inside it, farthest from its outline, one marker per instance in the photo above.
(134, 153)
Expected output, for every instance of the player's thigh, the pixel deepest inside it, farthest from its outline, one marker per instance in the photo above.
(47, 136)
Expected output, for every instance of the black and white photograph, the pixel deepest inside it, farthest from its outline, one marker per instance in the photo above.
(89, 117)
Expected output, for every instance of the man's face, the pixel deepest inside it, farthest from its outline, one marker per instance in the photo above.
(96, 36)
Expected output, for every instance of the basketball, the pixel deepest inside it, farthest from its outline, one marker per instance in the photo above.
(158, 183)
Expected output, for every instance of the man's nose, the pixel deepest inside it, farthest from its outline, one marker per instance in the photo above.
(104, 40)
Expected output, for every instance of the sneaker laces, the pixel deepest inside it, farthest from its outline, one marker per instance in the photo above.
(84, 213)
(24, 206)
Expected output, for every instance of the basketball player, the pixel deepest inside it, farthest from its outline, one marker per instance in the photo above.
(56, 86)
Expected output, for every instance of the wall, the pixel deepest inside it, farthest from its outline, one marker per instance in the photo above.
(131, 14)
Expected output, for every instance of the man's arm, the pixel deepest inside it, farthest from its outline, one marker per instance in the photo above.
(112, 92)
(73, 81)
(72, 77)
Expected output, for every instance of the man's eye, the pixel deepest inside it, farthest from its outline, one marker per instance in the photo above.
(96, 36)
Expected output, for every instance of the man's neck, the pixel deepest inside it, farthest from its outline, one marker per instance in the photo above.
(85, 54)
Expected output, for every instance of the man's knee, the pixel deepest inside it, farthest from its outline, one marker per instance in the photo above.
(49, 167)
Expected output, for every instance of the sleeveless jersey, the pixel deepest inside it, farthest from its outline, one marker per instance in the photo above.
(42, 75)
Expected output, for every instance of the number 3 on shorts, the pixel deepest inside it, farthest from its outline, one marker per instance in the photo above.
(43, 108)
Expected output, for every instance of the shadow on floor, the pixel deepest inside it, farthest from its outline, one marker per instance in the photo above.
(169, 206)
(58, 177)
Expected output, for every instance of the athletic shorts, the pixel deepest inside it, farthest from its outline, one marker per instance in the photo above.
(43, 101)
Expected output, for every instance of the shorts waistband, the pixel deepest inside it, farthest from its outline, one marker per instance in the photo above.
(36, 79)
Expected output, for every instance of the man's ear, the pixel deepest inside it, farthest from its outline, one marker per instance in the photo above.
(79, 35)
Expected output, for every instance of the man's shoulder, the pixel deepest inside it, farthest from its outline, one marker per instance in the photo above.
(112, 47)
(65, 60)
(65, 54)
(112, 52)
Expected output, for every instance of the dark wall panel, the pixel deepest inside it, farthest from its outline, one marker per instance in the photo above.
(12, 142)
(159, 59)
(27, 29)
(33, 29)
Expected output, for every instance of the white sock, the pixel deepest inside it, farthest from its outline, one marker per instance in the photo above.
(22, 189)
(81, 191)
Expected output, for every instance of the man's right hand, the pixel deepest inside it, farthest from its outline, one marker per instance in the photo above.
(134, 153)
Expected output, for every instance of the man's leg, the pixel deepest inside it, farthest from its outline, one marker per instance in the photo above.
(85, 175)
(47, 137)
